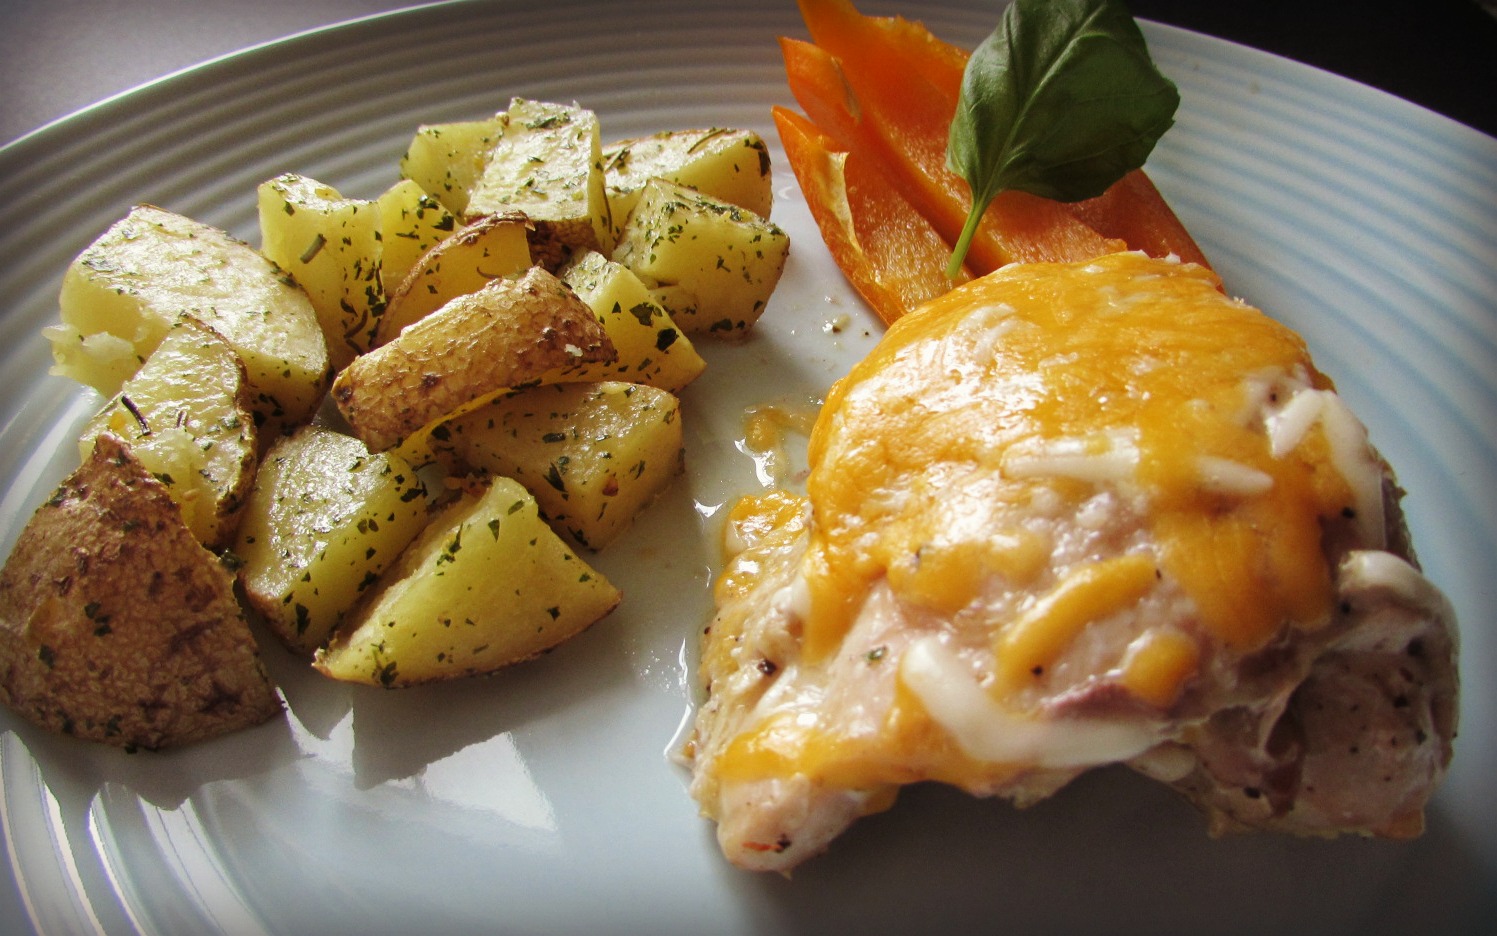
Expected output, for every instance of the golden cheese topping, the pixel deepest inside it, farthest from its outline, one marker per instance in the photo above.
(1034, 394)
(1042, 632)
(1123, 370)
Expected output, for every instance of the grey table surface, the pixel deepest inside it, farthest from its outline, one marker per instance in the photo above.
(59, 56)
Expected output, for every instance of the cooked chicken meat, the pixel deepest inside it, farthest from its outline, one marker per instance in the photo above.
(1065, 516)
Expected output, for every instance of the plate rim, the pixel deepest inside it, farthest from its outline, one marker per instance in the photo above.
(82, 121)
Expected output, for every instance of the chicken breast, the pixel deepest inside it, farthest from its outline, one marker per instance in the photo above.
(1071, 515)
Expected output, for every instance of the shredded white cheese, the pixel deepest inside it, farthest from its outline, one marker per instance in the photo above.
(1075, 458)
(1288, 426)
(1373, 572)
(1225, 476)
(987, 731)
(1352, 456)
(1351, 453)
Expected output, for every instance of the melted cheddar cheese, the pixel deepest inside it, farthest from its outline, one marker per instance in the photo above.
(1039, 364)
(956, 478)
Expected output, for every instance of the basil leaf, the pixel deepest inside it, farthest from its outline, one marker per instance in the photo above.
(1061, 101)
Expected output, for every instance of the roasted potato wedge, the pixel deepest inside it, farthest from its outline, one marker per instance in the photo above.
(593, 454)
(186, 417)
(331, 245)
(326, 517)
(411, 222)
(350, 254)
(491, 247)
(125, 291)
(727, 259)
(548, 163)
(116, 625)
(475, 347)
(448, 159)
(487, 584)
(651, 349)
(729, 165)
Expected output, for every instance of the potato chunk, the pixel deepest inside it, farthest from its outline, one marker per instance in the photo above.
(185, 415)
(448, 159)
(116, 625)
(651, 349)
(487, 584)
(411, 222)
(350, 254)
(473, 348)
(593, 455)
(325, 519)
(729, 165)
(548, 164)
(331, 246)
(726, 259)
(494, 246)
(125, 291)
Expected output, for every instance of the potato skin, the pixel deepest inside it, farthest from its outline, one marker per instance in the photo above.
(493, 246)
(116, 625)
(506, 335)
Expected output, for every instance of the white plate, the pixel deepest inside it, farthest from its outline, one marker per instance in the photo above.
(543, 799)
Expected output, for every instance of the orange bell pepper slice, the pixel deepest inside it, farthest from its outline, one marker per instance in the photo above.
(834, 23)
(885, 89)
(1133, 210)
(892, 116)
(885, 248)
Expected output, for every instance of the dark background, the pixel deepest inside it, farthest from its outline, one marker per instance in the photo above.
(1441, 54)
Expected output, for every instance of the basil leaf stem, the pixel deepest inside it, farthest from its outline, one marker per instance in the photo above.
(1061, 101)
